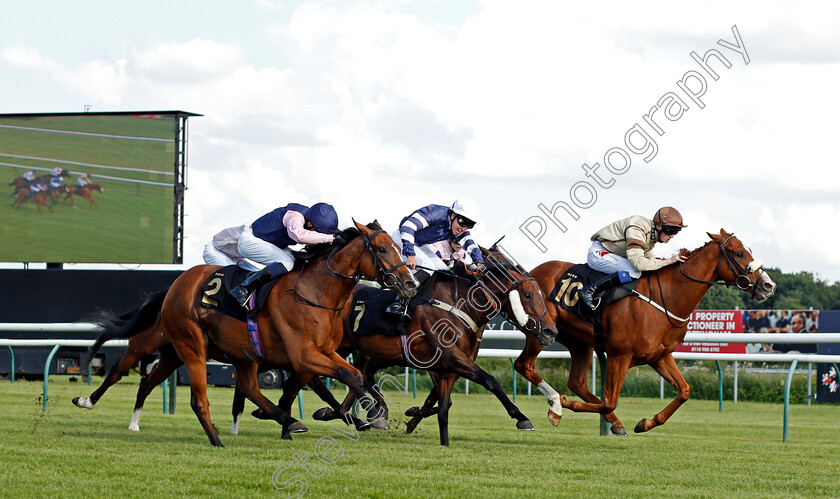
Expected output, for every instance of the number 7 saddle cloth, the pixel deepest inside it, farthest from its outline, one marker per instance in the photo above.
(566, 292)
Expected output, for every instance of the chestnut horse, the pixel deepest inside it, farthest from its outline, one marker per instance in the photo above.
(86, 191)
(144, 345)
(445, 335)
(295, 325)
(640, 330)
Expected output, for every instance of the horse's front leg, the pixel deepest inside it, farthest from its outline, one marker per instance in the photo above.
(525, 365)
(667, 368)
(247, 382)
(578, 373)
(466, 368)
(617, 366)
(418, 414)
(447, 382)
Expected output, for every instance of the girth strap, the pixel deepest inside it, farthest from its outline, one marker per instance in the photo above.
(456, 312)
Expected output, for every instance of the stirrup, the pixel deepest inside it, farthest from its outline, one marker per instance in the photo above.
(399, 307)
(241, 295)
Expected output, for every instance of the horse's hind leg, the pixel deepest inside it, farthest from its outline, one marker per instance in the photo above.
(444, 403)
(418, 414)
(168, 362)
(246, 381)
(237, 408)
(127, 361)
(667, 368)
(578, 373)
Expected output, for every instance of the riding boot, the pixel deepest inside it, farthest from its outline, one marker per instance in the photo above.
(256, 279)
(587, 294)
(400, 305)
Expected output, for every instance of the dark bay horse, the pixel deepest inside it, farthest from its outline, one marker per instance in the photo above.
(443, 336)
(296, 323)
(144, 345)
(637, 332)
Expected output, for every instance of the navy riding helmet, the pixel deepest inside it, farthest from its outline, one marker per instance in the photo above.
(323, 218)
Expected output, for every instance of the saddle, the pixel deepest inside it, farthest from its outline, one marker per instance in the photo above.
(368, 316)
(215, 292)
(566, 295)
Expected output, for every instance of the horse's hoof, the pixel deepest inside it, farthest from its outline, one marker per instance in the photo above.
(297, 427)
(324, 414)
(134, 427)
(641, 426)
(525, 425)
(411, 425)
(554, 418)
(412, 412)
(362, 425)
(286, 436)
(83, 402)
(619, 430)
(380, 424)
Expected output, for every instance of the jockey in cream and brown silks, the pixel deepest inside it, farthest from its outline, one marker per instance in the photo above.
(623, 250)
(428, 225)
(267, 241)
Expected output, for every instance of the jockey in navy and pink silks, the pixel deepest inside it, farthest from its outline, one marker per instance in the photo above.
(267, 241)
(426, 226)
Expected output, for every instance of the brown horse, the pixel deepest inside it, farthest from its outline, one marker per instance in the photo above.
(86, 191)
(296, 323)
(637, 332)
(445, 334)
(144, 345)
(40, 198)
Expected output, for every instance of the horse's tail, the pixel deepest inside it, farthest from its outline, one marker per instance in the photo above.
(128, 324)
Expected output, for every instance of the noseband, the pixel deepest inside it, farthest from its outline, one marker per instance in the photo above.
(517, 282)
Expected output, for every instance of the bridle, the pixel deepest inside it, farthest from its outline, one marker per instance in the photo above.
(382, 279)
(510, 269)
(742, 279)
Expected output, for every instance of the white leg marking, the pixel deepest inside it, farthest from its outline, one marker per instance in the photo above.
(234, 430)
(135, 420)
(552, 396)
(85, 402)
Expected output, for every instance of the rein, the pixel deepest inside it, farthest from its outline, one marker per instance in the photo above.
(383, 274)
(740, 272)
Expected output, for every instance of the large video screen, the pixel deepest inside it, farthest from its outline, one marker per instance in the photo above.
(92, 187)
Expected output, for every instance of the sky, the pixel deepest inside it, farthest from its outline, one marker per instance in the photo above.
(556, 118)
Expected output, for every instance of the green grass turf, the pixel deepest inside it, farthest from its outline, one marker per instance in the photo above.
(701, 452)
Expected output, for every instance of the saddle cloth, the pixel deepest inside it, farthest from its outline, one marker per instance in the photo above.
(368, 316)
(215, 293)
(566, 292)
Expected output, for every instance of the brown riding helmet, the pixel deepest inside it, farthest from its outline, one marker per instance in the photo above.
(668, 216)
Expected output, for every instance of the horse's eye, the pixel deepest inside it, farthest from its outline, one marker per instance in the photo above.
(527, 295)
(381, 250)
(740, 254)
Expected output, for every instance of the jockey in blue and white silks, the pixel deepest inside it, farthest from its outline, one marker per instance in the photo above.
(426, 226)
(433, 223)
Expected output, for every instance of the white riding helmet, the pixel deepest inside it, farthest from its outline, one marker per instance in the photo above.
(467, 208)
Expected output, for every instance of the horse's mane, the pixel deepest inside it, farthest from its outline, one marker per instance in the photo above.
(315, 251)
(688, 254)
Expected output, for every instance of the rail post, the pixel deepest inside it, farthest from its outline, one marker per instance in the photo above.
(173, 385)
(787, 399)
(514, 380)
(602, 361)
(720, 387)
(47, 371)
(12, 372)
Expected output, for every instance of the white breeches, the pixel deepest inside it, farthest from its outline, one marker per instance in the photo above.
(254, 248)
(212, 256)
(598, 258)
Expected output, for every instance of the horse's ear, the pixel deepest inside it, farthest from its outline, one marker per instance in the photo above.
(362, 228)
(376, 222)
(724, 234)
(714, 237)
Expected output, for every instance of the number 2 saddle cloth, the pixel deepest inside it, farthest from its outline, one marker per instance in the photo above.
(215, 293)
(566, 292)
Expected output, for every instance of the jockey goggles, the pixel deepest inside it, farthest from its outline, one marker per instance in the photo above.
(671, 230)
(465, 222)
